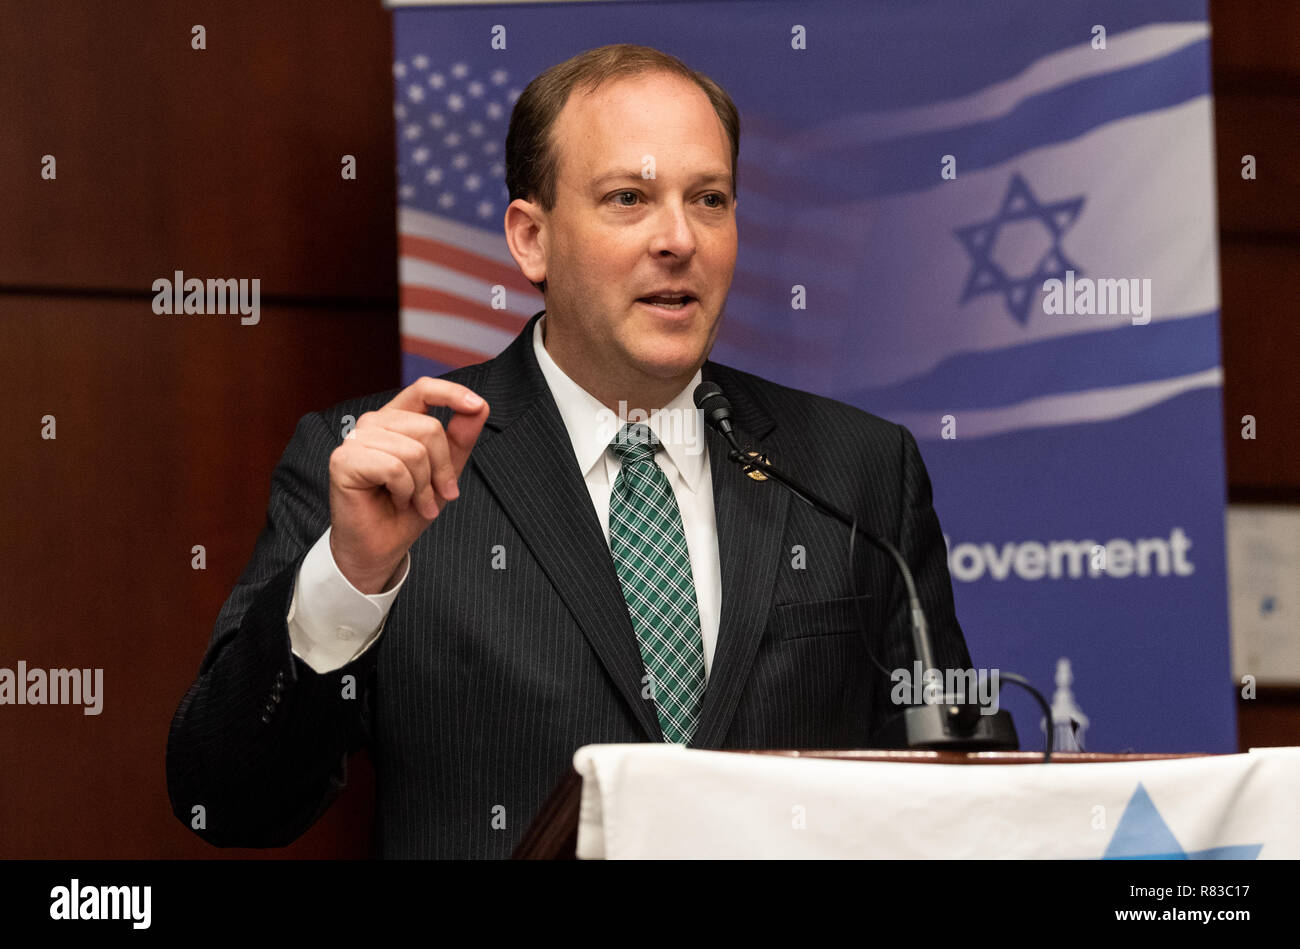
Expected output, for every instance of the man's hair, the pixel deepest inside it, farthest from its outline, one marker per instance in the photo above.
(532, 160)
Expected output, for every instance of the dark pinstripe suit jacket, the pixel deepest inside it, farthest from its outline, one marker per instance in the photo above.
(484, 681)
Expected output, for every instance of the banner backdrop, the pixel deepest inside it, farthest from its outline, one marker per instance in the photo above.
(993, 223)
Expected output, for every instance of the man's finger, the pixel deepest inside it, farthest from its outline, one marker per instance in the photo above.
(429, 432)
(413, 453)
(378, 468)
(462, 432)
(426, 392)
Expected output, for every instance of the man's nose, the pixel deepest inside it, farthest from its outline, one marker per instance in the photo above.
(673, 232)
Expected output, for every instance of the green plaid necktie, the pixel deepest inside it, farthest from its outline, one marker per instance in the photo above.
(648, 544)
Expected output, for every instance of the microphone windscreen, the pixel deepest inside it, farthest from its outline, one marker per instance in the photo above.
(705, 391)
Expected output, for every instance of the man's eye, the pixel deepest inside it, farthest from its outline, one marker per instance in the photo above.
(720, 200)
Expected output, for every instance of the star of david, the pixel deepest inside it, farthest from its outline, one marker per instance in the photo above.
(987, 276)
(1142, 834)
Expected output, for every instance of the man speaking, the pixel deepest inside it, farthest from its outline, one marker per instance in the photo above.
(479, 574)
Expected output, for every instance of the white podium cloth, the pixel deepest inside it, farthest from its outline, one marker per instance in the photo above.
(666, 801)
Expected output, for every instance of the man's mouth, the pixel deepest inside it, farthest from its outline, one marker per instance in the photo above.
(669, 302)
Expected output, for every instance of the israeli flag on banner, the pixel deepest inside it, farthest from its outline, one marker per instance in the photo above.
(992, 223)
(1090, 171)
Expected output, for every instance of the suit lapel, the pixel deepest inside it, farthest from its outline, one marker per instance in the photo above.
(528, 465)
(750, 519)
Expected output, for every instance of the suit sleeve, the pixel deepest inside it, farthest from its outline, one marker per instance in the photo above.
(920, 541)
(258, 746)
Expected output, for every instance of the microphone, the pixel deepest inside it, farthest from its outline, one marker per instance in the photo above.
(947, 726)
(717, 410)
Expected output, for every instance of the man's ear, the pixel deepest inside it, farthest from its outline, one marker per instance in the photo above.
(526, 237)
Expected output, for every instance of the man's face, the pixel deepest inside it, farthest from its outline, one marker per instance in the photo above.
(617, 236)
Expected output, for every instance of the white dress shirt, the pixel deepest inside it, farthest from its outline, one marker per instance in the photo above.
(331, 622)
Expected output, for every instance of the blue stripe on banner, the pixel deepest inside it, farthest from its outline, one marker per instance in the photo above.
(1099, 360)
(1058, 116)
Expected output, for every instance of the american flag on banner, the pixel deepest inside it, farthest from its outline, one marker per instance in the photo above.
(451, 129)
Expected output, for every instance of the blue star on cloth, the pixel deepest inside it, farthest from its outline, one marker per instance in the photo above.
(987, 276)
(1142, 834)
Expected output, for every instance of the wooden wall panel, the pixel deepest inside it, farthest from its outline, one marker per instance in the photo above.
(1254, 36)
(168, 430)
(1261, 346)
(1255, 50)
(220, 162)
(1270, 720)
(1267, 126)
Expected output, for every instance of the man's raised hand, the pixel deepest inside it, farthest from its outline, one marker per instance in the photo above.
(394, 474)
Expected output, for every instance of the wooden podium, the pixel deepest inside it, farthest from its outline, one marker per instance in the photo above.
(553, 834)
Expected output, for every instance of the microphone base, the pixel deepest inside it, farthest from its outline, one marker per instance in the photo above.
(936, 728)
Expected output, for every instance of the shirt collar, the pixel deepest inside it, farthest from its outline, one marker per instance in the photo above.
(679, 426)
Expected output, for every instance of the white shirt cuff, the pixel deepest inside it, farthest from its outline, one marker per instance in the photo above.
(330, 621)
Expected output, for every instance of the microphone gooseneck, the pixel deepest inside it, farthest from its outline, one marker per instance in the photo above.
(717, 414)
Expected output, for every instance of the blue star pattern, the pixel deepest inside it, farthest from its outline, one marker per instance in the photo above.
(987, 276)
(1142, 834)
(451, 132)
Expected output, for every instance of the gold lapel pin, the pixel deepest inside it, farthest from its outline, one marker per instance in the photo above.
(750, 469)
